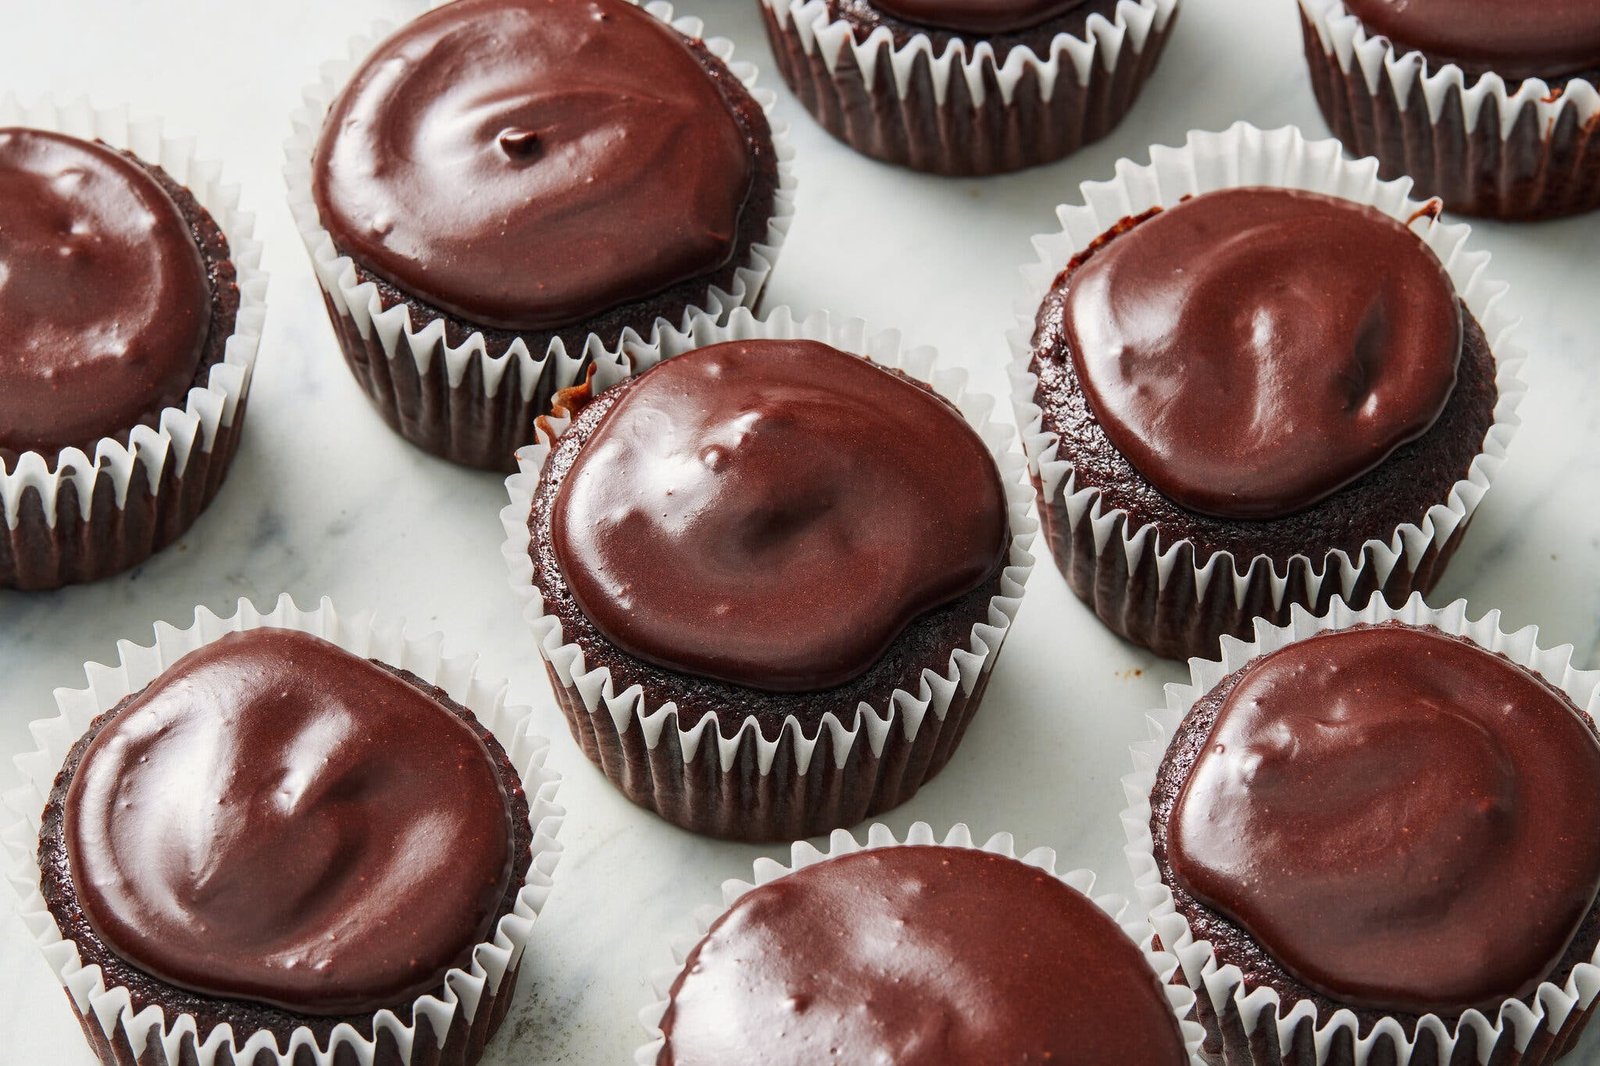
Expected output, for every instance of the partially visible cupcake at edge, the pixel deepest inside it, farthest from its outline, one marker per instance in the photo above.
(506, 189)
(968, 87)
(770, 577)
(928, 953)
(1260, 396)
(1491, 105)
(1388, 828)
(124, 355)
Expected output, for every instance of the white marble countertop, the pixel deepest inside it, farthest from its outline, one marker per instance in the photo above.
(324, 500)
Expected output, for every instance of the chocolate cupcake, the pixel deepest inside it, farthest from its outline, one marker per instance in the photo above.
(967, 87)
(503, 192)
(131, 319)
(770, 575)
(1371, 837)
(1253, 376)
(258, 845)
(924, 953)
(1493, 110)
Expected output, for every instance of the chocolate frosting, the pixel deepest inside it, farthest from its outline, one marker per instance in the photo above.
(1403, 820)
(1514, 38)
(1252, 351)
(528, 164)
(274, 819)
(918, 955)
(104, 303)
(978, 16)
(773, 514)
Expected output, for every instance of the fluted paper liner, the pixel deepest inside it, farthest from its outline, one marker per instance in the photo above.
(1255, 1021)
(75, 516)
(859, 760)
(840, 843)
(481, 396)
(1525, 150)
(1161, 596)
(149, 1037)
(964, 110)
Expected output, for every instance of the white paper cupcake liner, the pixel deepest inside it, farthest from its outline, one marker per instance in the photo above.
(441, 1024)
(963, 109)
(1256, 1026)
(857, 760)
(475, 407)
(78, 517)
(841, 843)
(1483, 146)
(1162, 595)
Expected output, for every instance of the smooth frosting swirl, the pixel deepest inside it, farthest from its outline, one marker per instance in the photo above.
(529, 164)
(275, 819)
(1513, 38)
(773, 514)
(104, 301)
(1403, 820)
(1254, 350)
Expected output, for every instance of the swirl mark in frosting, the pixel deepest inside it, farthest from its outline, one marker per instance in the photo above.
(275, 819)
(773, 514)
(1254, 350)
(1402, 819)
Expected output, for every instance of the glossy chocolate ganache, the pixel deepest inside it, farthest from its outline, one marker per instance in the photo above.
(529, 164)
(105, 304)
(774, 513)
(1402, 820)
(1254, 350)
(918, 956)
(1517, 39)
(276, 820)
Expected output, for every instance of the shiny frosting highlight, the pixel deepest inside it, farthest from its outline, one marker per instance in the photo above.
(1513, 38)
(977, 16)
(529, 164)
(773, 514)
(275, 819)
(1252, 351)
(104, 302)
(918, 956)
(1403, 820)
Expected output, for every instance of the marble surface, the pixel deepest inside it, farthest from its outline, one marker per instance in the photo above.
(323, 500)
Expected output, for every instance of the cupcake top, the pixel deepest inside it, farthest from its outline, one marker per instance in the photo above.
(529, 164)
(918, 955)
(1403, 820)
(773, 513)
(1513, 38)
(1253, 350)
(104, 300)
(978, 16)
(274, 819)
